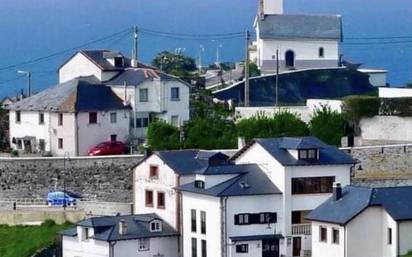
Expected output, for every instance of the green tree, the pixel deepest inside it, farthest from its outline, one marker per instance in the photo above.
(175, 64)
(327, 125)
(253, 70)
(281, 124)
(163, 136)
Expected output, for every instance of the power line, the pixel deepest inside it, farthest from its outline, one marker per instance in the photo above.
(192, 38)
(192, 35)
(378, 43)
(11, 80)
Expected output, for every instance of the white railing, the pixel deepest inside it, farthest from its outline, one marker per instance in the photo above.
(302, 229)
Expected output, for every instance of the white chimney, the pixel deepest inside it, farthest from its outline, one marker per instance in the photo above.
(268, 7)
(241, 142)
(122, 227)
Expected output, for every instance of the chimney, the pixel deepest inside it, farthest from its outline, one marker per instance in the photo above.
(337, 191)
(122, 227)
(241, 142)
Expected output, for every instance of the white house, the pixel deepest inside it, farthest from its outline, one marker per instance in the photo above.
(151, 93)
(363, 222)
(302, 41)
(68, 118)
(121, 236)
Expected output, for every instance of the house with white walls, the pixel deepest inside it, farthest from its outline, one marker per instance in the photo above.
(151, 93)
(68, 118)
(119, 236)
(363, 222)
(297, 41)
(304, 170)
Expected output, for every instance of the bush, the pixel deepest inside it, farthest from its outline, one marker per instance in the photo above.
(14, 153)
(49, 223)
(396, 106)
(357, 107)
(327, 125)
(163, 136)
(282, 124)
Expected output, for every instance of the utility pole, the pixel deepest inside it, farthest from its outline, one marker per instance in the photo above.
(277, 78)
(202, 49)
(28, 74)
(247, 92)
(135, 54)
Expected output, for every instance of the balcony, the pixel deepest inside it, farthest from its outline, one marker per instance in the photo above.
(302, 229)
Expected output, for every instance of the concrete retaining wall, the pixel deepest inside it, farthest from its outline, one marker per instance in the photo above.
(389, 128)
(26, 217)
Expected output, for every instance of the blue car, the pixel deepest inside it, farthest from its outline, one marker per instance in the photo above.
(60, 198)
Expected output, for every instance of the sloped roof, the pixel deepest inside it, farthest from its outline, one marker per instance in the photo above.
(250, 181)
(78, 95)
(295, 26)
(278, 148)
(135, 76)
(138, 226)
(397, 201)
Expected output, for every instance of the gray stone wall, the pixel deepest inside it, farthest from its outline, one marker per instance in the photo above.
(98, 179)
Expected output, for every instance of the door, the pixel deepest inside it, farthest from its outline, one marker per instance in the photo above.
(290, 59)
(297, 246)
(270, 248)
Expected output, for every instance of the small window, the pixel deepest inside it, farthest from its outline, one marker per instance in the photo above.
(321, 52)
(145, 122)
(19, 144)
(41, 118)
(156, 226)
(118, 62)
(204, 248)
(335, 236)
(203, 222)
(42, 145)
(175, 94)
(86, 233)
(200, 184)
(149, 198)
(113, 138)
(144, 95)
(154, 172)
(242, 219)
(175, 120)
(193, 220)
(389, 236)
(18, 116)
(311, 154)
(194, 247)
(323, 234)
(242, 248)
(60, 143)
(60, 119)
(92, 117)
(144, 244)
(113, 117)
(161, 201)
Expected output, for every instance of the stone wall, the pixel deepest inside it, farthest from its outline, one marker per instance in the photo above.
(391, 128)
(95, 178)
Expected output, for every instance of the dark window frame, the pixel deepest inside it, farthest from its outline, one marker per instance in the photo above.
(323, 234)
(113, 117)
(204, 248)
(18, 116)
(389, 235)
(321, 52)
(335, 236)
(144, 99)
(203, 222)
(60, 143)
(194, 247)
(242, 248)
(41, 118)
(304, 154)
(60, 119)
(193, 221)
(161, 200)
(312, 185)
(175, 94)
(148, 198)
(243, 219)
(92, 117)
(153, 172)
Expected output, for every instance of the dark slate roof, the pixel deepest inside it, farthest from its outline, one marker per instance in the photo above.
(278, 148)
(397, 201)
(294, 26)
(138, 226)
(133, 76)
(78, 95)
(251, 181)
(72, 232)
(255, 237)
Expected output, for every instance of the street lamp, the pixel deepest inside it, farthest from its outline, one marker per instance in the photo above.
(28, 74)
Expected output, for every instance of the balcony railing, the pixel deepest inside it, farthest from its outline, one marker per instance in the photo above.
(302, 229)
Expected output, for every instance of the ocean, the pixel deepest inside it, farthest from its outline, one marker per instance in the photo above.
(30, 29)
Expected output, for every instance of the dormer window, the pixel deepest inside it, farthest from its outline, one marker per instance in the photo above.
(199, 184)
(156, 226)
(118, 62)
(308, 154)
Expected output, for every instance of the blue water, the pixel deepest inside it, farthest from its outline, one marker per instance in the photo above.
(31, 29)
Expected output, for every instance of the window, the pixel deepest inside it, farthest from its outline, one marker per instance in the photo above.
(144, 95)
(335, 236)
(174, 120)
(18, 116)
(19, 144)
(175, 96)
(255, 218)
(193, 218)
(290, 59)
(161, 200)
(42, 145)
(204, 248)
(323, 234)
(144, 244)
(41, 118)
(60, 119)
(199, 184)
(308, 154)
(315, 185)
(86, 233)
(154, 172)
(142, 122)
(118, 62)
(92, 117)
(389, 236)
(113, 117)
(113, 138)
(60, 143)
(242, 219)
(203, 222)
(194, 247)
(242, 248)
(149, 198)
(321, 52)
(156, 226)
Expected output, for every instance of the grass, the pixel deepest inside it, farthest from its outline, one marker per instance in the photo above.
(24, 241)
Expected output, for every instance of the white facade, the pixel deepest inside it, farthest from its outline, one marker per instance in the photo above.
(387, 128)
(394, 92)
(271, 6)
(76, 134)
(377, 78)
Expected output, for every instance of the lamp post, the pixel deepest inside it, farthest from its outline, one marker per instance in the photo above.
(28, 74)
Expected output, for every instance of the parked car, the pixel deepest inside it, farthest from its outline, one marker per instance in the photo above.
(109, 148)
(59, 198)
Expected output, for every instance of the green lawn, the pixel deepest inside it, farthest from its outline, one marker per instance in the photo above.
(23, 241)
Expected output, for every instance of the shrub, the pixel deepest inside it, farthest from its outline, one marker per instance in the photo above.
(14, 153)
(163, 136)
(396, 106)
(327, 125)
(357, 107)
(49, 223)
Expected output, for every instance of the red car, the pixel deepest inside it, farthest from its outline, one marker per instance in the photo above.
(109, 148)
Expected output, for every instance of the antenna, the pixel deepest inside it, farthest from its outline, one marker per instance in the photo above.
(135, 52)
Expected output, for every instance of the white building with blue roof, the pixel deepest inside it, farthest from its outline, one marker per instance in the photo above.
(363, 222)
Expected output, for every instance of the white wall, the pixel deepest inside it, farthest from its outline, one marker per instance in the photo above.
(78, 66)
(377, 78)
(392, 128)
(272, 6)
(393, 92)
(166, 246)
(405, 237)
(328, 249)
(211, 205)
(75, 247)
(92, 134)
(254, 249)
